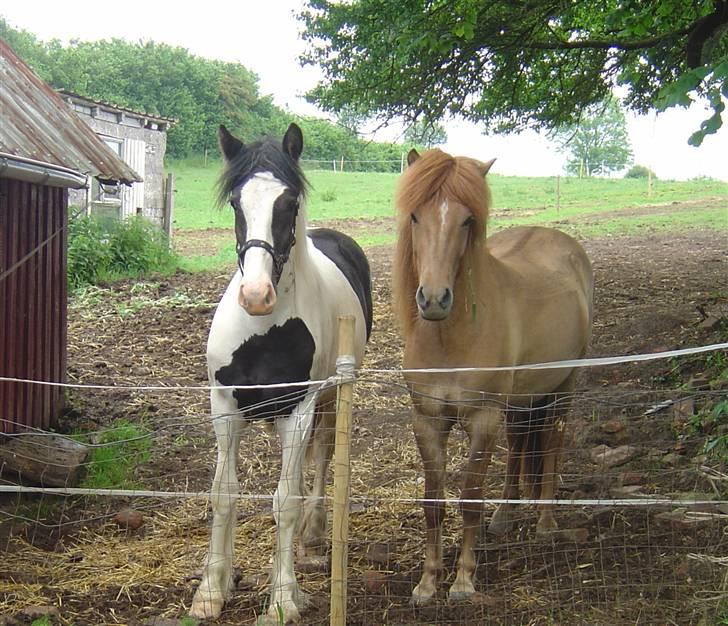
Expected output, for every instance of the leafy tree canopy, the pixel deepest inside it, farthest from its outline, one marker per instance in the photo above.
(198, 93)
(512, 65)
(425, 133)
(599, 143)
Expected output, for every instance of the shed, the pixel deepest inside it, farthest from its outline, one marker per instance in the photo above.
(45, 150)
(140, 139)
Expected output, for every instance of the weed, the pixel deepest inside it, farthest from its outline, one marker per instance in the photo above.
(103, 249)
(328, 196)
(115, 455)
(42, 621)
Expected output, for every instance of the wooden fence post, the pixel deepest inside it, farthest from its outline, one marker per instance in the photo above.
(342, 475)
(558, 194)
(168, 207)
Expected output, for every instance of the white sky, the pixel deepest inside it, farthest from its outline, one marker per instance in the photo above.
(263, 36)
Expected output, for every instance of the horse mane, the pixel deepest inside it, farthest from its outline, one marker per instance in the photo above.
(431, 179)
(265, 155)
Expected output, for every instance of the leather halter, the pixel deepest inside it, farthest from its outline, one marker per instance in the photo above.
(279, 258)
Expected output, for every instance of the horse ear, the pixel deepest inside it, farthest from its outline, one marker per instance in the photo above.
(412, 156)
(293, 142)
(229, 145)
(485, 167)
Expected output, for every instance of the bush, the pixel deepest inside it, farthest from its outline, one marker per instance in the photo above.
(640, 171)
(101, 249)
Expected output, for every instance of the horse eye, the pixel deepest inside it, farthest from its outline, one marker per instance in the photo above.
(469, 221)
(413, 218)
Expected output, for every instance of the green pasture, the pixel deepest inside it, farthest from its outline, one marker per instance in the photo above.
(590, 207)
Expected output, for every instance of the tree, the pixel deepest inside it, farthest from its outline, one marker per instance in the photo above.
(512, 65)
(599, 143)
(425, 133)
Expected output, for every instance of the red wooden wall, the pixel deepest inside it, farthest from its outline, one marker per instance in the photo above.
(33, 302)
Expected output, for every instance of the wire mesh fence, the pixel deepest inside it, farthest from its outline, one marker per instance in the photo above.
(641, 507)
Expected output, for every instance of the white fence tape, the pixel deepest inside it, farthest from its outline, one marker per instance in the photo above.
(576, 363)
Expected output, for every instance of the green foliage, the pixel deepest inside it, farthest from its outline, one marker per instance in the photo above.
(200, 94)
(511, 65)
(599, 143)
(640, 171)
(42, 621)
(103, 249)
(425, 133)
(713, 423)
(117, 452)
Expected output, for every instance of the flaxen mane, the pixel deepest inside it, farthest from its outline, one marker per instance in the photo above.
(434, 177)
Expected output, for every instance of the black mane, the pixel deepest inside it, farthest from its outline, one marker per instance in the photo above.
(266, 155)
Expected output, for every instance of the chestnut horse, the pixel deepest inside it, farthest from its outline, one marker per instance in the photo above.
(522, 296)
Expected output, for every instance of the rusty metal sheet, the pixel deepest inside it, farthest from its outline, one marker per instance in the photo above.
(33, 303)
(35, 123)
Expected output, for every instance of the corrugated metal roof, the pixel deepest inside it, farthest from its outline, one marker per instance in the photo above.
(74, 97)
(35, 123)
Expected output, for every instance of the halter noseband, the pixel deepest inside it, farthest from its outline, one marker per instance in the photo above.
(279, 258)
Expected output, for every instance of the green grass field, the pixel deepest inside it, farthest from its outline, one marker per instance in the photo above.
(586, 207)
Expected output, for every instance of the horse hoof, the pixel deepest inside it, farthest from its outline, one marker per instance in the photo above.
(472, 597)
(546, 528)
(417, 600)
(464, 594)
(313, 564)
(500, 525)
(276, 616)
(206, 606)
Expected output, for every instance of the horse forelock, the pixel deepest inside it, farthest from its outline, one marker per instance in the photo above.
(265, 156)
(435, 177)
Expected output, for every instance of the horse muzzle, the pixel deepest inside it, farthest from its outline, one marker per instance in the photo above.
(434, 305)
(257, 297)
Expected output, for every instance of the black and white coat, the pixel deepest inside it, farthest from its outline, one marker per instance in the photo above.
(277, 323)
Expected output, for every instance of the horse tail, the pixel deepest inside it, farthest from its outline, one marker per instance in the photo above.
(532, 455)
(533, 442)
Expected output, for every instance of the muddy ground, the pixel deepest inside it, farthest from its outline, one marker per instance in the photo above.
(654, 292)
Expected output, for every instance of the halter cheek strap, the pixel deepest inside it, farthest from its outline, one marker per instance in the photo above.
(279, 259)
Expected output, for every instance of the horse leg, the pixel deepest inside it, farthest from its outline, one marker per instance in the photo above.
(502, 520)
(553, 441)
(294, 431)
(313, 530)
(217, 577)
(482, 428)
(431, 435)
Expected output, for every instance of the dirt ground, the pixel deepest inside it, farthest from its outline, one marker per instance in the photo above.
(654, 292)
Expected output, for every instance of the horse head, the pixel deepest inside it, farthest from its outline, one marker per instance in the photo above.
(443, 203)
(265, 186)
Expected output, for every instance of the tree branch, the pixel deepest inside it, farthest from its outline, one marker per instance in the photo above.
(605, 44)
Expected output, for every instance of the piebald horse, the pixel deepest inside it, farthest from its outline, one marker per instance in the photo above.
(277, 323)
(522, 296)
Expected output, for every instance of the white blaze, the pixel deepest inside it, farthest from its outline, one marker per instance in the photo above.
(256, 200)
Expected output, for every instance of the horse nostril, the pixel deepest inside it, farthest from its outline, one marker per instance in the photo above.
(446, 298)
(420, 298)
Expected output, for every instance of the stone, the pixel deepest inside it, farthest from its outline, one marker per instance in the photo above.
(612, 457)
(671, 460)
(681, 411)
(38, 611)
(375, 581)
(631, 478)
(626, 492)
(129, 519)
(612, 426)
(678, 520)
(378, 553)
